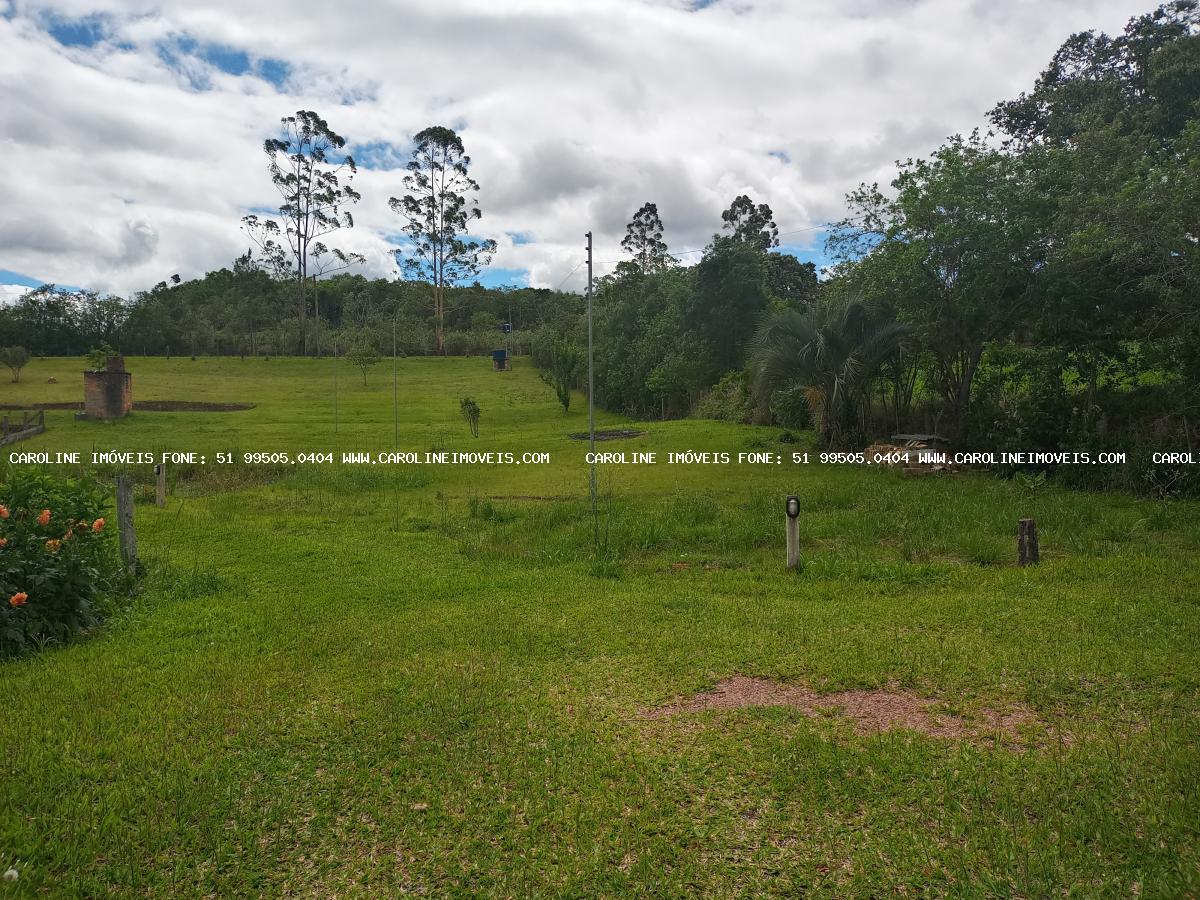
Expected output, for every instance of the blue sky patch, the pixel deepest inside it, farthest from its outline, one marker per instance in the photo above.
(496, 277)
(275, 71)
(87, 31)
(815, 254)
(223, 58)
(7, 276)
(378, 155)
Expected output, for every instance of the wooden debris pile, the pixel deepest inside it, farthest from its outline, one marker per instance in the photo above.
(913, 454)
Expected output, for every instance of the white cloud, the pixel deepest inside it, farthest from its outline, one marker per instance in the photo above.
(131, 168)
(9, 293)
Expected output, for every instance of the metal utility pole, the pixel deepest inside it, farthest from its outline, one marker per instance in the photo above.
(591, 401)
(395, 388)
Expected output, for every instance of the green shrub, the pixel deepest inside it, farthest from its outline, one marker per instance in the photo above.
(1019, 401)
(57, 559)
(790, 409)
(728, 400)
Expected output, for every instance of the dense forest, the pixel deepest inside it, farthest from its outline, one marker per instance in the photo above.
(1034, 285)
(241, 311)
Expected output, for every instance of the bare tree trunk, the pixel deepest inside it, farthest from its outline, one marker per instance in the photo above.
(439, 308)
(302, 308)
(962, 393)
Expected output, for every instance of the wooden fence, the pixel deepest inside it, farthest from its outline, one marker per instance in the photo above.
(31, 423)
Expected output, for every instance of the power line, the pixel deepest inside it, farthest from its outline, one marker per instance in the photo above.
(569, 274)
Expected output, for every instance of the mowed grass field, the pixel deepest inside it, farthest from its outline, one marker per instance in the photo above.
(377, 681)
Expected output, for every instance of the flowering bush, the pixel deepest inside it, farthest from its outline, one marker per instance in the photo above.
(57, 559)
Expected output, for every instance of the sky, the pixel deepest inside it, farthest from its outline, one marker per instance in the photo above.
(132, 131)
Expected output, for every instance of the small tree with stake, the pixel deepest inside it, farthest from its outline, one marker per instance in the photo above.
(470, 413)
(563, 371)
(363, 355)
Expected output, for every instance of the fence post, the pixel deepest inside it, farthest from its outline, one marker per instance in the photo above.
(160, 485)
(1027, 542)
(125, 524)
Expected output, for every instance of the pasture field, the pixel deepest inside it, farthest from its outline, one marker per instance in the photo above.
(373, 681)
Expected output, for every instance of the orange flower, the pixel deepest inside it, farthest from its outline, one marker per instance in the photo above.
(3, 511)
(53, 544)
(98, 525)
(44, 518)
(18, 599)
(3, 542)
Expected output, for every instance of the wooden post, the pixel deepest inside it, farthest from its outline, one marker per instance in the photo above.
(160, 485)
(792, 514)
(1027, 542)
(125, 523)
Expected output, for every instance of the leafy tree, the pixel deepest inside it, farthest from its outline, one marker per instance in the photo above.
(643, 241)
(439, 207)
(99, 318)
(959, 250)
(679, 378)
(49, 320)
(316, 188)
(639, 322)
(1145, 79)
(729, 296)
(792, 281)
(16, 359)
(834, 352)
(754, 225)
(1119, 115)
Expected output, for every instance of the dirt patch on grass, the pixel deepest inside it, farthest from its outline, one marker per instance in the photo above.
(148, 406)
(870, 712)
(610, 435)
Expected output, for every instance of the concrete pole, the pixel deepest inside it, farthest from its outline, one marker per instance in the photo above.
(591, 400)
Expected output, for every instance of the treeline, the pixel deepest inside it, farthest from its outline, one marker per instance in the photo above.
(243, 311)
(1035, 287)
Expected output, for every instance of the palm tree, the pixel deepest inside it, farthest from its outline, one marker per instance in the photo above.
(834, 350)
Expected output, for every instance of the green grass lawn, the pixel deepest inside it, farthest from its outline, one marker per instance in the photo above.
(371, 681)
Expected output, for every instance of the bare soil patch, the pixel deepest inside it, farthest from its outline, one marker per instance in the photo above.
(870, 711)
(147, 406)
(610, 435)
